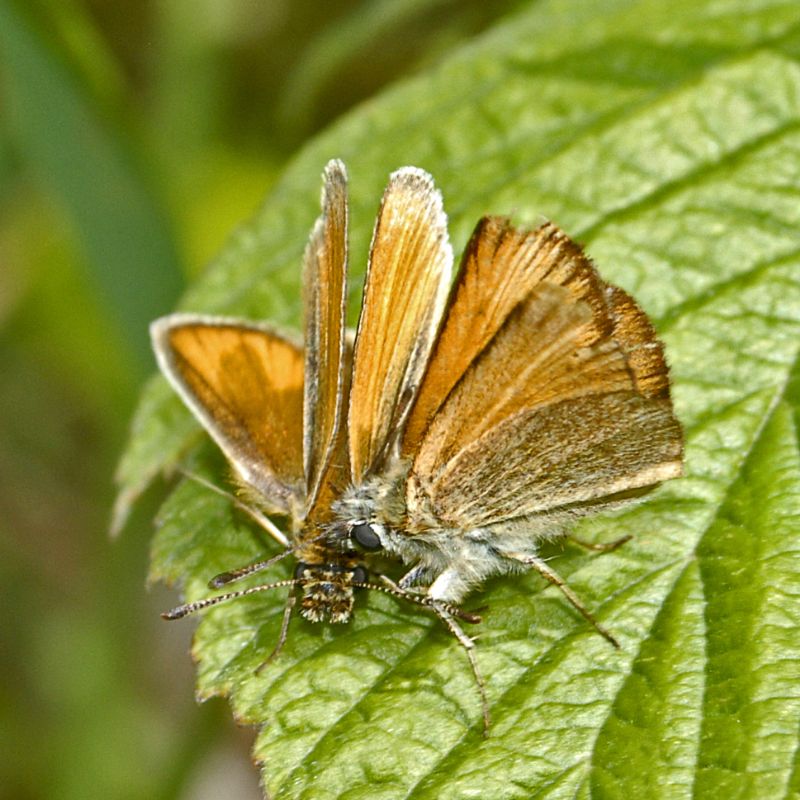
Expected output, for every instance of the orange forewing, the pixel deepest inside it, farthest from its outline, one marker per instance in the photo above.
(405, 290)
(245, 385)
(324, 283)
(536, 358)
(499, 268)
(637, 339)
(336, 477)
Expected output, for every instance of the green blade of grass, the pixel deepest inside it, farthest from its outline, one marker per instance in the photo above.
(81, 158)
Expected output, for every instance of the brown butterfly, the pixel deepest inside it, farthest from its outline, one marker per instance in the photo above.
(463, 427)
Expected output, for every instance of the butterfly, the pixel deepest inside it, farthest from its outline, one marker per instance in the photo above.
(460, 427)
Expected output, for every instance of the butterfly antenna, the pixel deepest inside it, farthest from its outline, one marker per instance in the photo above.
(218, 581)
(260, 519)
(198, 605)
(224, 578)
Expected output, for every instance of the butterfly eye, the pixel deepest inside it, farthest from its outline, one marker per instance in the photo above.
(364, 535)
(360, 575)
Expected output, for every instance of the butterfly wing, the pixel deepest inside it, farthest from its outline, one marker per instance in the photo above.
(569, 453)
(244, 383)
(500, 266)
(325, 299)
(404, 295)
(568, 403)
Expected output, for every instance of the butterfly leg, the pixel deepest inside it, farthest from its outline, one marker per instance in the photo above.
(414, 576)
(602, 547)
(448, 613)
(287, 615)
(549, 574)
(469, 646)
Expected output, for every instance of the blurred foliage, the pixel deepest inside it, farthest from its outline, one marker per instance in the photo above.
(133, 138)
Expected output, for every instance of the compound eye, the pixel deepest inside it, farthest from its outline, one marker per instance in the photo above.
(360, 575)
(365, 536)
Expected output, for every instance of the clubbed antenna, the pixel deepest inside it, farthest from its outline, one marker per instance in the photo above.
(224, 578)
(198, 605)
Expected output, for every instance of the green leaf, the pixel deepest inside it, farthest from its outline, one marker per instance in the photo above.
(408, 30)
(667, 137)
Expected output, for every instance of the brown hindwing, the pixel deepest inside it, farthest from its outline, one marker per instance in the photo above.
(569, 452)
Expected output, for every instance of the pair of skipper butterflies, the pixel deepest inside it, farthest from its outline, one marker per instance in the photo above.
(456, 431)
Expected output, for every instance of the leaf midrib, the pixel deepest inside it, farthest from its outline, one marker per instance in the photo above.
(779, 397)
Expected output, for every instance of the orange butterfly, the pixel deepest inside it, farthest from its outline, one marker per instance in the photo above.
(460, 429)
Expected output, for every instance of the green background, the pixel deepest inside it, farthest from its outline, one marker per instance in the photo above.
(134, 139)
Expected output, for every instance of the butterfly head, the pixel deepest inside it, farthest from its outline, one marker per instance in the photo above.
(365, 514)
